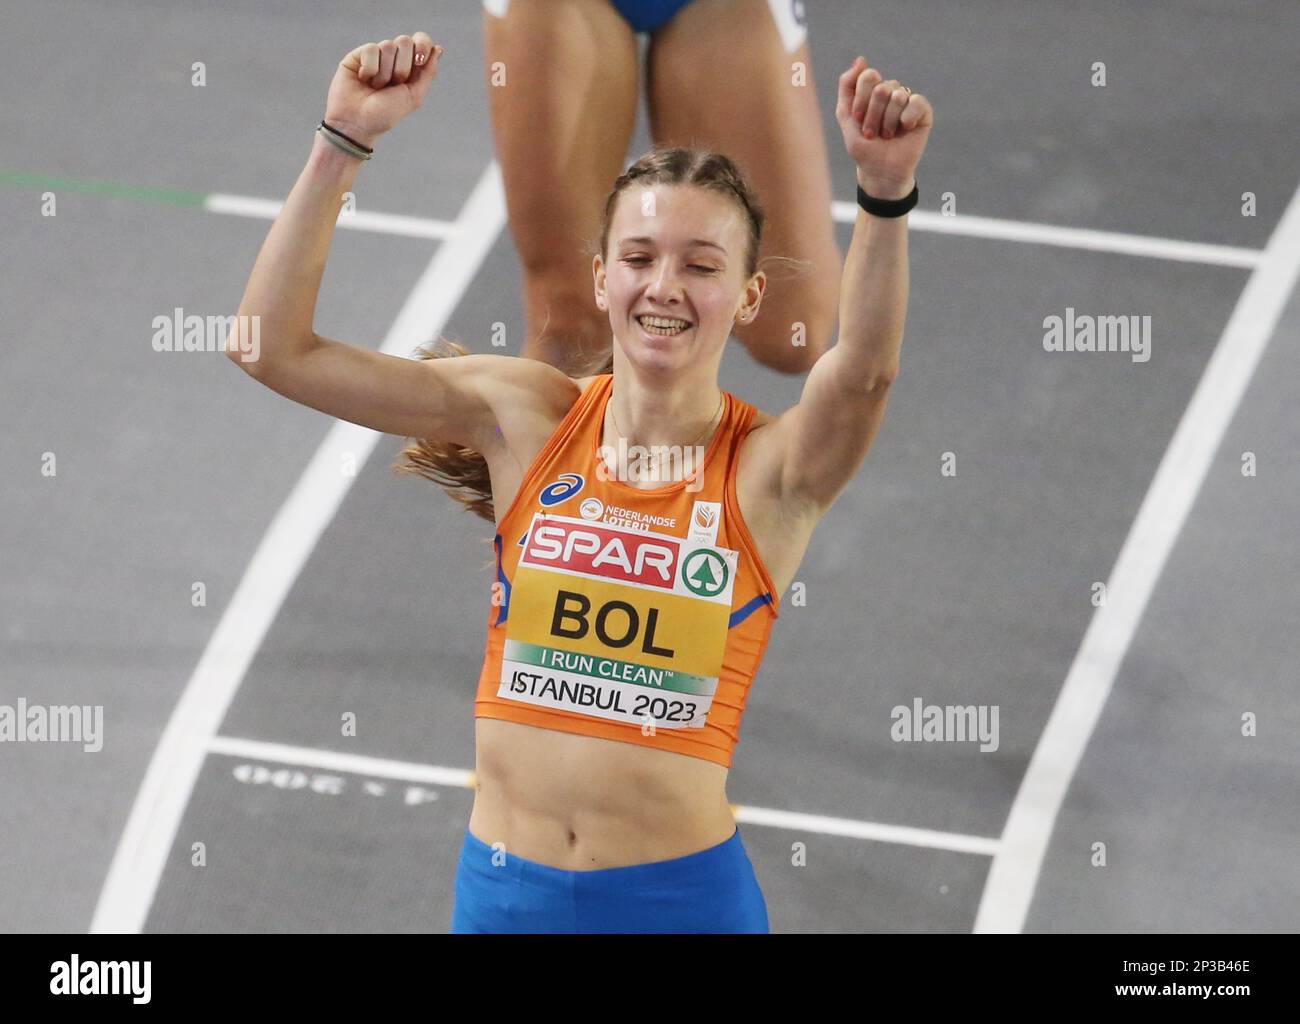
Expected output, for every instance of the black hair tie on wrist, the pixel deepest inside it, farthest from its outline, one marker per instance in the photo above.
(889, 207)
(335, 131)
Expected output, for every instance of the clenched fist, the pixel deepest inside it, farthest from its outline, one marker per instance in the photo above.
(378, 84)
(885, 128)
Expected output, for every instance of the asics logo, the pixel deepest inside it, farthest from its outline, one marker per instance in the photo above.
(562, 489)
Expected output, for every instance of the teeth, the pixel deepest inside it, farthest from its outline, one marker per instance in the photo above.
(657, 324)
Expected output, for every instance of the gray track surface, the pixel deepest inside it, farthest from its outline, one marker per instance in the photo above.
(965, 590)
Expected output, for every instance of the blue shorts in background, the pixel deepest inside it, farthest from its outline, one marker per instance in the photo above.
(648, 15)
(714, 890)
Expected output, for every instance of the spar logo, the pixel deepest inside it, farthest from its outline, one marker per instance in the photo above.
(704, 572)
(591, 548)
(562, 489)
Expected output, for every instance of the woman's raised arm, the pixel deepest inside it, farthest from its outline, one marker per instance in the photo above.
(374, 87)
(813, 449)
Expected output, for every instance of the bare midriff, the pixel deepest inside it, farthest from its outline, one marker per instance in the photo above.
(581, 803)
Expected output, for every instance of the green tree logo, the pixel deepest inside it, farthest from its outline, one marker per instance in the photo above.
(704, 572)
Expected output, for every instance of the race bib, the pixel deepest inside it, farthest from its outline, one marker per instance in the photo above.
(616, 623)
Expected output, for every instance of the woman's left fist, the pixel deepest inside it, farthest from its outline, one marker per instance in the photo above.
(885, 128)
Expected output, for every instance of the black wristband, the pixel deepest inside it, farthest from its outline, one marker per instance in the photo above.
(889, 207)
(335, 131)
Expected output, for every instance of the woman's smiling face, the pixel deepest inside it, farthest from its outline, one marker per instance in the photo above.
(676, 255)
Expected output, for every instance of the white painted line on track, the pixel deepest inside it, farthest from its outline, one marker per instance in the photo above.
(1013, 875)
(308, 757)
(872, 830)
(164, 794)
(357, 764)
(1069, 238)
(360, 220)
(844, 213)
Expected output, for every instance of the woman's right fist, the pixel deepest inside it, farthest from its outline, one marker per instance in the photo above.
(378, 84)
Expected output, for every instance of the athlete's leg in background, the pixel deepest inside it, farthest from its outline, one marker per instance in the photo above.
(720, 76)
(562, 124)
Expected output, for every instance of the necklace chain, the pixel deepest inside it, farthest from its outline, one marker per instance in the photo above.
(721, 398)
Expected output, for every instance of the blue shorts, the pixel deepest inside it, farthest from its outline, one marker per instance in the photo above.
(714, 890)
(642, 15)
(649, 15)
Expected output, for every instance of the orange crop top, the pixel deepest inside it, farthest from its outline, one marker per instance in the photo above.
(633, 615)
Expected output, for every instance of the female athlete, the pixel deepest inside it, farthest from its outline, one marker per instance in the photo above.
(733, 76)
(631, 603)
